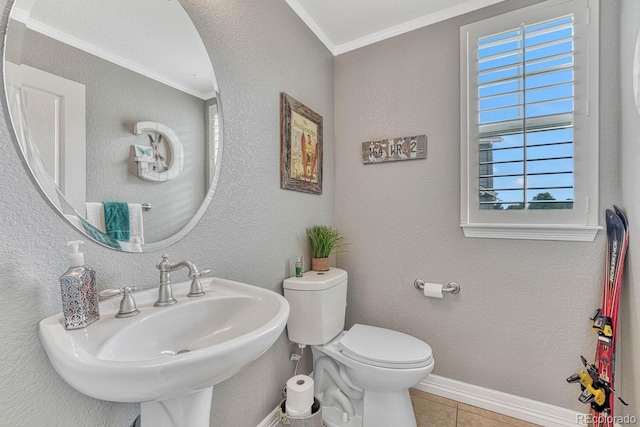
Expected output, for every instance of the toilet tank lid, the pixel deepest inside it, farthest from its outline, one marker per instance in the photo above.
(316, 280)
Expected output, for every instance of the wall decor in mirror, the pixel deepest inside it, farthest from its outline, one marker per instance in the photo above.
(81, 76)
(156, 166)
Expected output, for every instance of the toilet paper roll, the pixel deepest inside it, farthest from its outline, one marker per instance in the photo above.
(299, 395)
(297, 414)
(433, 290)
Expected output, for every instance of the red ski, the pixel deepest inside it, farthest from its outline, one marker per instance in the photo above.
(597, 379)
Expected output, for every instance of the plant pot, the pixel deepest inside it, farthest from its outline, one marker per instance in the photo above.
(320, 264)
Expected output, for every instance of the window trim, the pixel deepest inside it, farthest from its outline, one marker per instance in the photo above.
(579, 224)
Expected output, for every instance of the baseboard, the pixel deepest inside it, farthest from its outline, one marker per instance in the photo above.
(271, 420)
(495, 401)
(502, 403)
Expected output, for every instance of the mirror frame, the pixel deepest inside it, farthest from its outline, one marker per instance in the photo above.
(146, 247)
(636, 74)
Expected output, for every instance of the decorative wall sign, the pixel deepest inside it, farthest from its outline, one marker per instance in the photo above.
(300, 147)
(389, 150)
(152, 165)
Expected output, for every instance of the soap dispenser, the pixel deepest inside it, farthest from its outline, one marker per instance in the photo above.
(78, 287)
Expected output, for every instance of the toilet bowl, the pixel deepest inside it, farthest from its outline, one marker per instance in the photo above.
(362, 375)
(379, 363)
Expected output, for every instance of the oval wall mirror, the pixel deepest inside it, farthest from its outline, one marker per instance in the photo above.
(115, 107)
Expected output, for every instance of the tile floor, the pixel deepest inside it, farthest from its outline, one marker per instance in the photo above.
(436, 411)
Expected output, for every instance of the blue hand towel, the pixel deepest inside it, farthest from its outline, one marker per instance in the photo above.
(117, 221)
(99, 236)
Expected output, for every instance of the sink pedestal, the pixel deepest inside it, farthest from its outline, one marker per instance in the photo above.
(192, 410)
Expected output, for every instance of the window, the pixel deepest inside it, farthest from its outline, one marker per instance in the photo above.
(529, 117)
(213, 141)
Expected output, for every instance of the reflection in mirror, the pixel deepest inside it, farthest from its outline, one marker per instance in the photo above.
(81, 78)
(636, 74)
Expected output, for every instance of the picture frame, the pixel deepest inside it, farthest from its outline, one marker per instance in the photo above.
(300, 147)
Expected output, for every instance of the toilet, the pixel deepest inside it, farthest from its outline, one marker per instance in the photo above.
(361, 376)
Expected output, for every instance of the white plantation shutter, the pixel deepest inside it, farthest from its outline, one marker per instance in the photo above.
(525, 116)
(529, 120)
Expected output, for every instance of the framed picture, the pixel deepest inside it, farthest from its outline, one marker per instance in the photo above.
(300, 147)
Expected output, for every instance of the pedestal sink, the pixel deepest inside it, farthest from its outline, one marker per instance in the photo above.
(168, 358)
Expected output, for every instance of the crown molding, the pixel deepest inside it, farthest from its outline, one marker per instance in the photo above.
(37, 26)
(312, 24)
(423, 21)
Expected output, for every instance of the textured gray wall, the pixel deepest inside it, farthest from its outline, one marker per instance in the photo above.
(517, 326)
(521, 319)
(629, 321)
(116, 99)
(252, 231)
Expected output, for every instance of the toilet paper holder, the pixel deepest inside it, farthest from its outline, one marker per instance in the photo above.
(452, 287)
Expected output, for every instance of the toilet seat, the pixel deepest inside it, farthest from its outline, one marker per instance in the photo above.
(384, 348)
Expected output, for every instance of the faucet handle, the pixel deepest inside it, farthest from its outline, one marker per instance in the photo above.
(164, 265)
(196, 286)
(114, 292)
(127, 304)
(203, 272)
(109, 293)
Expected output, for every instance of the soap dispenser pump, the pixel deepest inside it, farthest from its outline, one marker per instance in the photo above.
(78, 287)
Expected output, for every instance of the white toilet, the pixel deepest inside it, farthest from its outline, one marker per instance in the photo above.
(362, 376)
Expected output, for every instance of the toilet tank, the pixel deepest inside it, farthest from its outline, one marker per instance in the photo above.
(318, 302)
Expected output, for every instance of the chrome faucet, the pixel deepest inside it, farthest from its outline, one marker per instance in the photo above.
(165, 293)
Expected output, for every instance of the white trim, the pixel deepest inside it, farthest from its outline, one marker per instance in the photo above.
(423, 21)
(312, 24)
(569, 233)
(67, 176)
(636, 74)
(502, 403)
(39, 27)
(271, 420)
(579, 223)
(510, 405)
(592, 15)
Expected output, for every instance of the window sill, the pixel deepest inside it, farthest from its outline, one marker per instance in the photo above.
(569, 233)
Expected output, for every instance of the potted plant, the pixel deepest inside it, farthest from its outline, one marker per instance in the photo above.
(325, 240)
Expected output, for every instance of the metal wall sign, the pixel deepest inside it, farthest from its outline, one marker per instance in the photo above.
(389, 150)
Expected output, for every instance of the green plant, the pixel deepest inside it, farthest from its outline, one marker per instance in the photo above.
(283, 418)
(325, 240)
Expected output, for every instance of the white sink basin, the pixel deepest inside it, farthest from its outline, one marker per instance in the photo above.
(167, 352)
